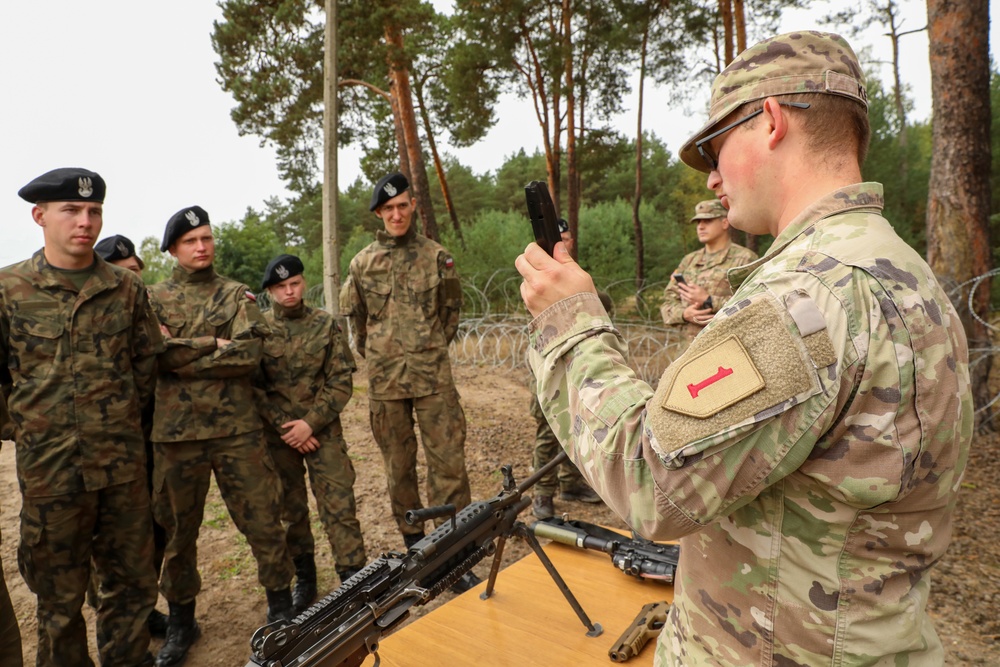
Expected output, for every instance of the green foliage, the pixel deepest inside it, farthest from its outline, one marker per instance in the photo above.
(492, 243)
(158, 264)
(243, 249)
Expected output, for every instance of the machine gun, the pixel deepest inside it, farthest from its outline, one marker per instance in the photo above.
(637, 557)
(346, 626)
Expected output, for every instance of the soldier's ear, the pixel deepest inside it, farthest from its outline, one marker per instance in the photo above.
(37, 213)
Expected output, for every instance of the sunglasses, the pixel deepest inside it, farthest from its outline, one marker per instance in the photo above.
(705, 150)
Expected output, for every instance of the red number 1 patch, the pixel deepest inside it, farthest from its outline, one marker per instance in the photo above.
(722, 372)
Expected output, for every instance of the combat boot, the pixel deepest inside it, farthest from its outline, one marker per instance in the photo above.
(182, 631)
(304, 592)
(542, 507)
(279, 605)
(157, 623)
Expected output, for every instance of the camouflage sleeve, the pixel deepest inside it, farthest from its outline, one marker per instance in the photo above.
(179, 352)
(147, 343)
(665, 469)
(338, 384)
(354, 306)
(450, 297)
(241, 356)
(269, 412)
(673, 308)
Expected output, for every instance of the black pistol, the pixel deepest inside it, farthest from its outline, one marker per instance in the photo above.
(543, 216)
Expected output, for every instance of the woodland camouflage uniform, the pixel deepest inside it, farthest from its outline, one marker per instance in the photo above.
(306, 374)
(404, 299)
(206, 421)
(807, 448)
(76, 364)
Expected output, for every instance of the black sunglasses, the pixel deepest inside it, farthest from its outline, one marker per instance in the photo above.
(705, 150)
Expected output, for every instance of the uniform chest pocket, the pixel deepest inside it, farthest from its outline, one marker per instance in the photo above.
(174, 322)
(376, 295)
(220, 318)
(424, 294)
(34, 343)
(110, 335)
(273, 358)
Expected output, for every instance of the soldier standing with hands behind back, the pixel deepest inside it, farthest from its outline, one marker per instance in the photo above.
(403, 298)
(206, 422)
(77, 356)
(305, 383)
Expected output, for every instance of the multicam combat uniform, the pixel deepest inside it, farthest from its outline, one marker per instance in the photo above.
(807, 448)
(306, 374)
(206, 421)
(77, 357)
(708, 270)
(404, 299)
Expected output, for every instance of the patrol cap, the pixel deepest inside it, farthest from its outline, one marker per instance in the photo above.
(563, 226)
(387, 188)
(64, 184)
(709, 209)
(117, 247)
(796, 62)
(281, 268)
(182, 222)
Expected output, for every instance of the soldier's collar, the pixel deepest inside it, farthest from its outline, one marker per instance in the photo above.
(182, 275)
(293, 313)
(385, 238)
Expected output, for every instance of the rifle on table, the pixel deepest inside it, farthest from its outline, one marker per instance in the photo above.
(637, 557)
(346, 626)
(646, 626)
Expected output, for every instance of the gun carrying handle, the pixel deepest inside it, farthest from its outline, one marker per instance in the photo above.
(427, 513)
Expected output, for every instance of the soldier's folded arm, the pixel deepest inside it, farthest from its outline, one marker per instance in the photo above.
(234, 359)
(179, 352)
(672, 462)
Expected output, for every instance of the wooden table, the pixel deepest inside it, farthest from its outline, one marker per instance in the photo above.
(527, 621)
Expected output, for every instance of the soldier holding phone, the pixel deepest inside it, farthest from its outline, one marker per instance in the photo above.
(699, 288)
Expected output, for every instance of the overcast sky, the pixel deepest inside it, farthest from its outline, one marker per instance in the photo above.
(128, 89)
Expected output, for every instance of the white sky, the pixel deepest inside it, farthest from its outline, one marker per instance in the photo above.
(128, 89)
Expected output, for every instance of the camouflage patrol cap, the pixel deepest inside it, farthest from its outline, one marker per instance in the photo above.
(710, 209)
(796, 62)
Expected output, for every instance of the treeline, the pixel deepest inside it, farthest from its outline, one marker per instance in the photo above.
(494, 229)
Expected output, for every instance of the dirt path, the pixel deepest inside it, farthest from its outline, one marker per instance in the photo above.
(964, 601)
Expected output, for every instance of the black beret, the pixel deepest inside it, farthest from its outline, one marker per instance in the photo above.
(117, 247)
(182, 222)
(387, 188)
(65, 184)
(563, 226)
(281, 268)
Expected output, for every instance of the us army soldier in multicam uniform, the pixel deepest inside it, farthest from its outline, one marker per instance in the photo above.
(206, 422)
(809, 446)
(692, 304)
(77, 356)
(403, 299)
(305, 383)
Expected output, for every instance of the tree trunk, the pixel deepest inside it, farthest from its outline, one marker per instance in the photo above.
(740, 21)
(640, 265)
(397, 124)
(331, 242)
(572, 176)
(958, 244)
(400, 73)
(726, 14)
(438, 167)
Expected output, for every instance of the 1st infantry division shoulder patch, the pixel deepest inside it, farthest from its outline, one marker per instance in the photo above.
(720, 376)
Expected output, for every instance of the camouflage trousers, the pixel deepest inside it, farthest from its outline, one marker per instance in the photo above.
(10, 634)
(442, 432)
(244, 472)
(547, 446)
(331, 476)
(59, 537)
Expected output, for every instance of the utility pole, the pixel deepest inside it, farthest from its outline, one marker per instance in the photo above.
(331, 242)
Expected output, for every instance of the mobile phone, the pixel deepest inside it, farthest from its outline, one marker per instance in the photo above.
(680, 279)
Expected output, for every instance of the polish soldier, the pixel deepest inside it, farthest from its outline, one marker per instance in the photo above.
(120, 251)
(306, 383)
(77, 356)
(206, 421)
(807, 447)
(403, 299)
(690, 302)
